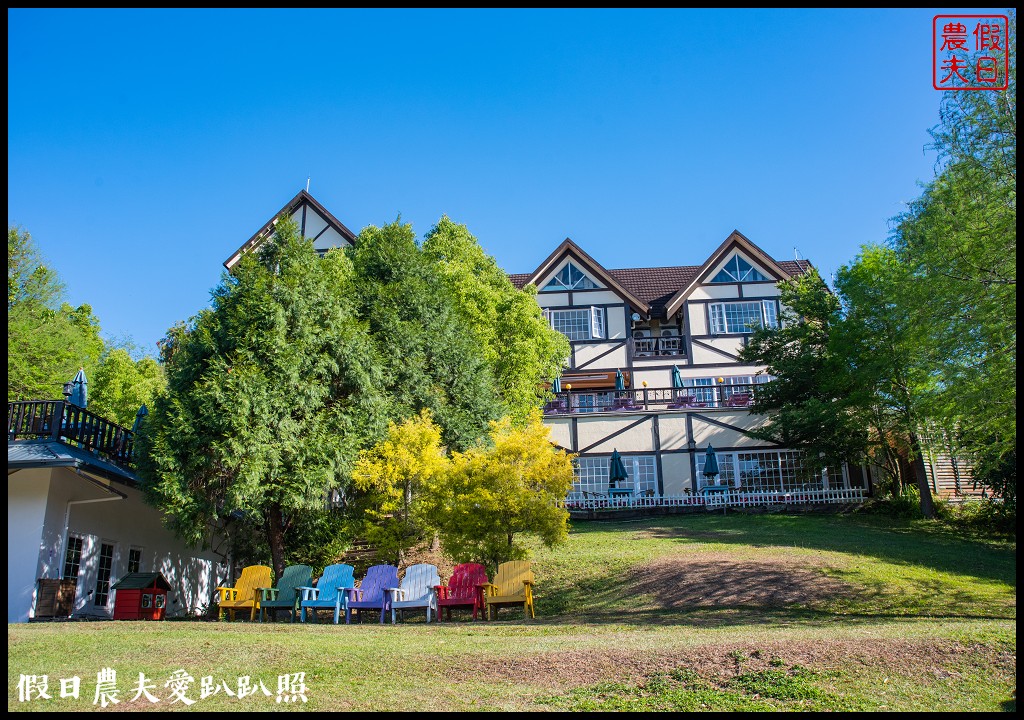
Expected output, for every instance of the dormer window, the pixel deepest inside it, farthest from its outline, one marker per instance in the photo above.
(570, 278)
(738, 270)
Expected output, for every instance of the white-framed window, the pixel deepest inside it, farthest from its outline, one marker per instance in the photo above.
(134, 559)
(591, 402)
(103, 572)
(739, 270)
(578, 324)
(643, 472)
(770, 471)
(742, 316)
(592, 474)
(570, 277)
(73, 556)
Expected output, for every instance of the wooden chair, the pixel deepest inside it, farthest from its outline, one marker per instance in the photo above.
(331, 592)
(286, 595)
(464, 589)
(372, 593)
(245, 594)
(416, 590)
(513, 585)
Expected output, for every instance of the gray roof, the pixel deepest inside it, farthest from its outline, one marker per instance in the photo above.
(50, 453)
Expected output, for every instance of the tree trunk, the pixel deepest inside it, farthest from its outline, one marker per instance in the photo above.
(927, 506)
(275, 538)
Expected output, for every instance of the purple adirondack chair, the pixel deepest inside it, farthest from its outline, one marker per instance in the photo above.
(372, 592)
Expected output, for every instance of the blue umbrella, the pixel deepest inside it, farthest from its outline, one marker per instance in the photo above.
(677, 379)
(710, 463)
(620, 382)
(140, 416)
(556, 385)
(616, 470)
(79, 389)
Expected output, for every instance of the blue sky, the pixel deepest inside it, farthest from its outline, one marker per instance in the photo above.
(145, 146)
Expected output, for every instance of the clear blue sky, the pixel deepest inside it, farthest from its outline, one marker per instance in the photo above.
(145, 146)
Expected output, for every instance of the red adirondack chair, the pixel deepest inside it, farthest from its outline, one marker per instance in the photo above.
(463, 590)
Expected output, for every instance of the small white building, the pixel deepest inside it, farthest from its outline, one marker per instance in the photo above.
(77, 522)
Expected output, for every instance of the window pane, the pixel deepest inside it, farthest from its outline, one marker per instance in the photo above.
(574, 324)
(735, 317)
(103, 574)
(73, 558)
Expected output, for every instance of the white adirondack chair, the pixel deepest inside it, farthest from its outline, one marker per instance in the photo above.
(416, 590)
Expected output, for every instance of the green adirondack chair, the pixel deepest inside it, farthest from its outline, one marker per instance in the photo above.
(286, 595)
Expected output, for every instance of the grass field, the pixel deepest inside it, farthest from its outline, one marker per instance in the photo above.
(696, 612)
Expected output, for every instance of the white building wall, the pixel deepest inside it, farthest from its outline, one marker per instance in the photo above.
(100, 516)
(26, 513)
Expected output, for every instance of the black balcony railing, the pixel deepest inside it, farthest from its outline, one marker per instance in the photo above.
(589, 401)
(658, 347)
(71, 425)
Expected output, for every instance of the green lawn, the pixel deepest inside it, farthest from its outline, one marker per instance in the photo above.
(696, 612)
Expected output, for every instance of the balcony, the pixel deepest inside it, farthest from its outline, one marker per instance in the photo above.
(647, 399)
(658, 347)
(63, 422)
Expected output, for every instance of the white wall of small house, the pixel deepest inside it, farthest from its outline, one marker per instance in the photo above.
(27, 491)
(124, 523)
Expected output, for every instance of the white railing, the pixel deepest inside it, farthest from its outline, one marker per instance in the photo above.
(719, 499)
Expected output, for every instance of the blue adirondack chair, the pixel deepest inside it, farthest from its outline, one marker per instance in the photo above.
(331, 592)
(372, 593)
(416, 591)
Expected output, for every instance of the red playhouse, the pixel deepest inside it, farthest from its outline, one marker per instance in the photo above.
(140, 596)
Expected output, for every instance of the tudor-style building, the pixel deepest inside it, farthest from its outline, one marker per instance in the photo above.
(670, 336)
(672, 333)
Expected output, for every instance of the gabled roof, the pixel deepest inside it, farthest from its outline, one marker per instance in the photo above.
(658, 286)
(735, 240)
(570, 249)
(288, 210)
(141, 581)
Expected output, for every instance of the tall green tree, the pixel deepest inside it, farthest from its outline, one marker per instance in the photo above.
(959, 240)
(814, 402)
(47, 339)
(430, 357)
(271, 393)
(521, 348)
(121, 385)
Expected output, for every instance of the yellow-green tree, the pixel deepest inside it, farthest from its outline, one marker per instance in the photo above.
(491, 497)
(390, 477)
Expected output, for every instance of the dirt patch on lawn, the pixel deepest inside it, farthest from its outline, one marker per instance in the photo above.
(712, 580)
(718, 663)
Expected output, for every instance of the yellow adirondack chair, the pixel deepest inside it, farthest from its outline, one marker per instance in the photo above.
(513, 585)
(245, 595)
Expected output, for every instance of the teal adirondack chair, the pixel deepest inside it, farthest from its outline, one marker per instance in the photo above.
(372, 593)
(286, 596)
(416, 591)
(331, 592)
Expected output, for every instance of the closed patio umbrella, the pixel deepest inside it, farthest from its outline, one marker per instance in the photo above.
(620, 381)
(140, 416)
(556, 385)
(79, 389)
(616, 470)
(710, 463)
(677, 378)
